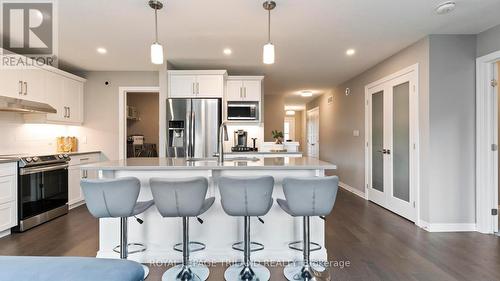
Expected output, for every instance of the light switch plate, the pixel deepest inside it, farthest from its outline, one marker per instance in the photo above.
(355, 133)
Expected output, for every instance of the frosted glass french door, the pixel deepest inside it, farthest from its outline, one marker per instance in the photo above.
(391, 169)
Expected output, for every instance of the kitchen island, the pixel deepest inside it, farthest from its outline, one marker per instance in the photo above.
(219, 231)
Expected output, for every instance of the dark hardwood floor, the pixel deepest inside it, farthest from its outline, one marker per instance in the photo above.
(377, 244)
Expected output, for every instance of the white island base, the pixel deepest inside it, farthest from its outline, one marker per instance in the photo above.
(219, 231)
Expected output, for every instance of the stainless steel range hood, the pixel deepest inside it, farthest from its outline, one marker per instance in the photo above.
(24, 106)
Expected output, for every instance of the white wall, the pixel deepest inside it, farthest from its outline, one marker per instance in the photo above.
(452, 129)
(346, 114)
(101, 106)
(488, 41)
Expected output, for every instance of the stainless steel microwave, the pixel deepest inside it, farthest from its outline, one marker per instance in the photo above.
(243, 110)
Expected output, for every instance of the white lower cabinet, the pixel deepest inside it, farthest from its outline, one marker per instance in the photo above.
(76, 174)
(8, 197)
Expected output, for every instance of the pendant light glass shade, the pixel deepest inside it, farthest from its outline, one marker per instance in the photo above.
(268, 55)
(156, 53)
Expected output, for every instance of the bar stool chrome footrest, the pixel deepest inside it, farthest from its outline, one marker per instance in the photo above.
(298, 271)
(194, 246)
(192, 272)
(258, 272)
(139, 248)
(254, 246)
(292, 245)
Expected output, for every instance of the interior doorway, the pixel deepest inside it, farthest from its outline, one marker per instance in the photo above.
(313, 132)
(487, 141)
(391, 138)
(142, 124)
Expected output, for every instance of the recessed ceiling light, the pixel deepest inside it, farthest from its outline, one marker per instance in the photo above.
(446, 7)
(102, 51)
(350, 52)
(306, 93)
(227, 51)
(290, 112)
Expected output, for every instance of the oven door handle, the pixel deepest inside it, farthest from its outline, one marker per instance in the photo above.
(32, 170)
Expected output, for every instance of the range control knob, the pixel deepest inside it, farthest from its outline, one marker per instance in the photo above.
(35, 159)
(60, 156)
(28, 159)
(65, 155)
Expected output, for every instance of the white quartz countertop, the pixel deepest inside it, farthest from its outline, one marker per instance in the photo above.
(269, 163)
(262, 152)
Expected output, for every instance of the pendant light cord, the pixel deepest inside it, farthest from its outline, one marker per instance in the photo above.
(269, 26)
(156, 25)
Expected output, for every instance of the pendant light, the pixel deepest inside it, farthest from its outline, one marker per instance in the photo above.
(268, 52)
(156, 47)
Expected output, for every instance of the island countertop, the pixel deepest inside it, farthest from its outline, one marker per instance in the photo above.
(269, 163)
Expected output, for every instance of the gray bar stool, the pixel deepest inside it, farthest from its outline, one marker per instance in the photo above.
(117, 198)
(246, 197)
(308, 197)
(183, 198)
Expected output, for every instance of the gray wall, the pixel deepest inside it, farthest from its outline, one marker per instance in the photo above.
(101, 106)
(446, 117)
(452, 129)
(346, 113)
(488, 41)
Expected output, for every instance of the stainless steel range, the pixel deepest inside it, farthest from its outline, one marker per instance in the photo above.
(42, 189)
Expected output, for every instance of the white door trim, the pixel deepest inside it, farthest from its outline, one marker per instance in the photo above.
(315, 109)
(414, 134)
(486, 135)
(122, 118)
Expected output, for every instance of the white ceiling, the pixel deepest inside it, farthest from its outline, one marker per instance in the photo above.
(311, 36)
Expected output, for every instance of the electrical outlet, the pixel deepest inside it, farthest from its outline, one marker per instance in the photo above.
(84, 140)
(355, 133)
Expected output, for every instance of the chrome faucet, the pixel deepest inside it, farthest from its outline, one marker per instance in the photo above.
(223, 136)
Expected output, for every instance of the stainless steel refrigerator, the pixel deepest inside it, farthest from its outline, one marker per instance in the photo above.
(192, 127)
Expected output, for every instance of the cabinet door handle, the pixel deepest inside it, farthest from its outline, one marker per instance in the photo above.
(25, 88)
(20, 87)
(66, 112)
(69, 112)
(241, 92)
(197, 88)
(245, 91)
(193, 89)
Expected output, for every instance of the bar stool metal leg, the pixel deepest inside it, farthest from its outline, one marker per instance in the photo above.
(186, 271)
(124, 244)
(305, 270)
(247, 271)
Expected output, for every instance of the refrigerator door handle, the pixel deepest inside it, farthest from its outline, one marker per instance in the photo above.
(193, 126)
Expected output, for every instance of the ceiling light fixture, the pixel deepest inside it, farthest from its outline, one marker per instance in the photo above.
(156, 47)
(350, 52)
(268, 52)
(290, 112)
(227, 51)
(306, 93)
(446, 7)
(102, 50)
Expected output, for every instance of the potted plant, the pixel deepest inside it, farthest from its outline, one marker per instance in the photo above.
(278, 136)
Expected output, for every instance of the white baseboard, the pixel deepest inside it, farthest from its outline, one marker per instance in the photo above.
(76, 204)
(4, 233)
(447, 227)
(353, 190)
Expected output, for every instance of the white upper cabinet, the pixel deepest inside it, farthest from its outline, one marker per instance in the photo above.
(196, 83)
(182, 86)
(11, 83)
(34, 84)
(244, 88)
(73, 100)
(54, 85)
(211, 86)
